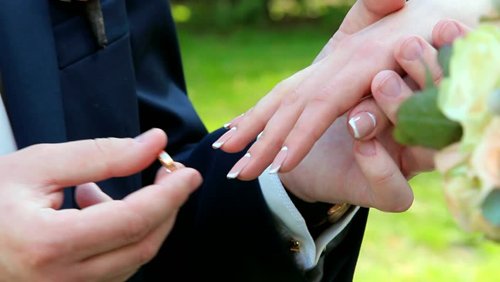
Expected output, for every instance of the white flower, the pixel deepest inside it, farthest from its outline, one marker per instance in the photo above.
(474, 76)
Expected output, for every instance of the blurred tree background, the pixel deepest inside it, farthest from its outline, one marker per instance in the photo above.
(228, 14)
(235, 51)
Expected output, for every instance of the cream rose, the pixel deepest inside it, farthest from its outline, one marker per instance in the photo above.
(474, 76)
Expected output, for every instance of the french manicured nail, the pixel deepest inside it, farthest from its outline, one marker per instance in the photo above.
(362, 124)
(278, 161)
(412, 49)
(144, 135)
(260, 135)
(449, 32)
(390, 86)
(366, 148)
(234, 121)
(239, 166)
(224, 138)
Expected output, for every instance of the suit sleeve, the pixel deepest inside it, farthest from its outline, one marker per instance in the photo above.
(226, 232)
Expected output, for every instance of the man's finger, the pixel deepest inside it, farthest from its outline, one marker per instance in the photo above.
(391, 191)
(73, 163)
(114, 224)
(124, 261)
(446, 31)
(417, 58)
(390, 91)
(90, 194)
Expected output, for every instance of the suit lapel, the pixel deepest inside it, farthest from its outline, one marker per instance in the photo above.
(28, 63)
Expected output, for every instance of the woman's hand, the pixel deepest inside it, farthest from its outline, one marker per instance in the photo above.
(298, 111)
(370, 168)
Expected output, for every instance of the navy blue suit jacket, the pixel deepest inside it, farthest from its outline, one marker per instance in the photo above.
(60, 86)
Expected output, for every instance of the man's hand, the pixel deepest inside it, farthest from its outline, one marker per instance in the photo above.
(106, 240)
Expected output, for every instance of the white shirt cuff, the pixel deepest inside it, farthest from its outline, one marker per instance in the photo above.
(283, 208)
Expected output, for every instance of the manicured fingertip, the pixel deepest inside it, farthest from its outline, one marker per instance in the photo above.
(224, 138)
(279, 160)
(362, 124)
(239, 166)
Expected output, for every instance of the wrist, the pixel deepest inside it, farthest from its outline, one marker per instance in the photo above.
(319, 215)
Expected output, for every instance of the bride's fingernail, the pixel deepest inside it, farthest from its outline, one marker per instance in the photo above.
(362, 124)
(224, 138)
(239, 166)
(278, 161)
(234, 121)
(260, 135)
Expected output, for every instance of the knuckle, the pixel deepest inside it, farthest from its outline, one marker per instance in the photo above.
(384, 177)
(138, 227)
(368, 48)
(147, 252)
(39, 254)
(292, 98)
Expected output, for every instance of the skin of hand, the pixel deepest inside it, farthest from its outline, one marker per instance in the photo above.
(375, 173)
(296, 113)
(105, 240)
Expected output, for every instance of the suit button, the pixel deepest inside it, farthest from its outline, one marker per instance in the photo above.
(294, 246)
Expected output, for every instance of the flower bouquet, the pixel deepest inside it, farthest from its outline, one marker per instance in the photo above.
(460, 118)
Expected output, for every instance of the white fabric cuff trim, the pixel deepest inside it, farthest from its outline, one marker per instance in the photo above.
(283, 208)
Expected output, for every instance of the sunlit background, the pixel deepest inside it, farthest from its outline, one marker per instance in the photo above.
(235, 51)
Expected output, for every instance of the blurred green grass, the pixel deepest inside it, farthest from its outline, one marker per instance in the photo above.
(227, 73)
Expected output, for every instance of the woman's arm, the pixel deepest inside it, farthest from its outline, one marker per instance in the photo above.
(296, 113)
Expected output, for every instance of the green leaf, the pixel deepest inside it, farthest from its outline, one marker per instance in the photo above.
(491, 207)
(444, 57)
(429, 80)
(421, 123)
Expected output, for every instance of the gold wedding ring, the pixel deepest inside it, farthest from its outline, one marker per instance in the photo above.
(167, 161)
(337, 211)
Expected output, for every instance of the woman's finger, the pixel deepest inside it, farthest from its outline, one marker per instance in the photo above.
(244, 128)
(367, 120)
